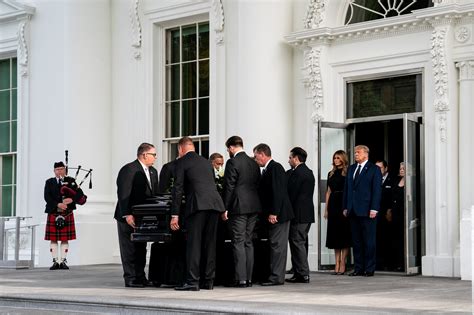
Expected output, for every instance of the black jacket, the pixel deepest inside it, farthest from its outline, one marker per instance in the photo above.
(167, 175)
(52, 196)
(241, 179)
(301, 190)
(195, 180)
(133, 188)
(273, 193)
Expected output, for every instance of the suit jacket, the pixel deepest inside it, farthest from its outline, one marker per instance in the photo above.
(300, 191)
(273, 193)
(133, 188)
(195, 180)
(364, 194)
(241, 179)
(52, 196)
(167, 176)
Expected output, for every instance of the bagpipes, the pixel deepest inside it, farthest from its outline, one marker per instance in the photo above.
(70, 188)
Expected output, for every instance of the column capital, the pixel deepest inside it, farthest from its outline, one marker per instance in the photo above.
(466, 70)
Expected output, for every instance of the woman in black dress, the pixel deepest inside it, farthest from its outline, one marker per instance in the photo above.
(338, 228)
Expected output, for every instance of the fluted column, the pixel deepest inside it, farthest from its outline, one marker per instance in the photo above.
(466, 152)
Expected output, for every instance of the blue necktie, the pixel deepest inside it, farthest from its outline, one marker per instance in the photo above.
(357, 173)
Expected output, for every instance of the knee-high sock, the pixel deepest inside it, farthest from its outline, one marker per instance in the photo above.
(64, 250)
(53, 248)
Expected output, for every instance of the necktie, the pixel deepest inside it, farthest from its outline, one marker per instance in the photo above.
(264, 171)
(357, 173)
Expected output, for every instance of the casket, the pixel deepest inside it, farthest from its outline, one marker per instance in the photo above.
(152, 220)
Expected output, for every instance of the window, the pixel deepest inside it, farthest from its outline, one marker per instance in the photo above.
(8, 135)
(368, 10)
(187, 87)
(393, 95)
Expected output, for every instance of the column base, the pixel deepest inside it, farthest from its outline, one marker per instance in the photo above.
(466, 249)
(440, 266)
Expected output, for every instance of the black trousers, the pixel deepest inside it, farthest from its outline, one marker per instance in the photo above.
(278, 237)
(299, 253)
(133, 254)
(201, 233)
(242, 227)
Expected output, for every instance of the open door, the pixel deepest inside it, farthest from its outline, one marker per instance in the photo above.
(332, 137)
(413, 191)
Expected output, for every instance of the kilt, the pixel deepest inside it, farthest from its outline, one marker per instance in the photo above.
(68, 232)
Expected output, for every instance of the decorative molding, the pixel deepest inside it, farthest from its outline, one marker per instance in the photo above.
(136, 28)
(22, 49)
(440, 71)
(314, 82)
(218, 10)
(420, 21)
(462, 34)
(314, 14)
(466, 70)
(442, 126)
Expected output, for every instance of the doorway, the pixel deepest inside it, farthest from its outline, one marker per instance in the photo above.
(396, 139)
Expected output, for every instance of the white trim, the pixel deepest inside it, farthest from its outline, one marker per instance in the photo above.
(14, 40)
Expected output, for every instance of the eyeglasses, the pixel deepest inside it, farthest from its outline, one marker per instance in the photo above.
(154, 154)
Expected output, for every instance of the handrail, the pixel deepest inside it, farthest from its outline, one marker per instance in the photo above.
(21, 227)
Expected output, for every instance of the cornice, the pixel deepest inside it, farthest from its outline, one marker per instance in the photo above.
(418, 21)
(20, 11)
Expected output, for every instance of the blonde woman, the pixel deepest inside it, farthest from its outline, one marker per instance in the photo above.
(338, 227)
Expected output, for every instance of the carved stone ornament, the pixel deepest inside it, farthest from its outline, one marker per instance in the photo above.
(218, 10)
(442, 126)
(462, 34)
(440, 71)
(314, 14)
(136, 28)
(312, 68)
(466, 70)
(22, 49)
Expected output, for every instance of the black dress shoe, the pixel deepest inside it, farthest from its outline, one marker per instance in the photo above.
(207, 285)
(269, 283)
(369, 274)
(63, 265)
(134, 284)
(249, 283)
(240, 284)
(298, 279)
(55, 266)
(356, 274)
(187, 287)
(147, 283)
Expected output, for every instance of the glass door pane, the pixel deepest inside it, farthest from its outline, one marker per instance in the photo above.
(413, 208)
(332, 137)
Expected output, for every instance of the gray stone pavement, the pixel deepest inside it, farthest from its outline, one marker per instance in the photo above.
(99, 289)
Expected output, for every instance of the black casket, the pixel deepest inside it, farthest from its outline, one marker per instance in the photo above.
(152, 220)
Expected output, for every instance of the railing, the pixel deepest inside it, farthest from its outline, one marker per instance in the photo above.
(14, 224)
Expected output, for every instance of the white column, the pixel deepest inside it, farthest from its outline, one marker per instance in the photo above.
(466, 172)
(259, 74)
(71, 106)
(442, 220)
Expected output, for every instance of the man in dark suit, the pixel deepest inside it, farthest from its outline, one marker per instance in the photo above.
(383, 224)
(242, 203)
(300, 190)
(276, 206)
(167, 175)
(361, 202)
(136, 182)
(195, 180)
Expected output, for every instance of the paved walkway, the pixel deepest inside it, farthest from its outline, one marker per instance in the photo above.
(98, 289)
